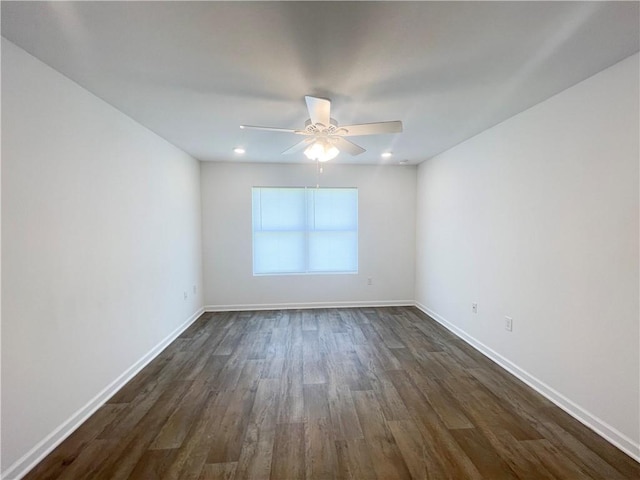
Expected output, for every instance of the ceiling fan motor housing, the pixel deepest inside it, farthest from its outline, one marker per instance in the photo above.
(319, 129)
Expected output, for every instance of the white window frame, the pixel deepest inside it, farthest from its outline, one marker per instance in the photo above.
(307, 230)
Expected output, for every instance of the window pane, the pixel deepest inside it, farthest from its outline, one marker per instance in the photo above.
(278, 209)
(333, 209)
(333, 252)
(278, 252)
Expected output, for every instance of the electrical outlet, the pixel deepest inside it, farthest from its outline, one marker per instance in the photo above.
(185, 295)
(508, 324)
(474, 307)
(369, 281)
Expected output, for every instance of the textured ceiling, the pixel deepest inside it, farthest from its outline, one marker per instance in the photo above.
(194, 71)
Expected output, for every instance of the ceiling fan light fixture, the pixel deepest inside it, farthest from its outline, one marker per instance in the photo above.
(322, 151)
(325, 138)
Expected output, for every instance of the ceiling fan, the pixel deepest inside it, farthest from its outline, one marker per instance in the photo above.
(324, 137)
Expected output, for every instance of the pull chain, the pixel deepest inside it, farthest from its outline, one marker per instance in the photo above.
(319, 171)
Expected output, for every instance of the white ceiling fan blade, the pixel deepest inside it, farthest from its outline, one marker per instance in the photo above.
(270, 129)
(298, 146)
(346, 146)
(371, 128)
(319, 110)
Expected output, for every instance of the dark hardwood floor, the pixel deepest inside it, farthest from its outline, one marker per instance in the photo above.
(358, 393)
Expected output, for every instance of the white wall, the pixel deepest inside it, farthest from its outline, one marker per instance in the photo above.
(100, 238)
(537, 218)
(387, 201)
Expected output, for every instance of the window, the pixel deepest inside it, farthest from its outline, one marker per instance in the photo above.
(305, 230)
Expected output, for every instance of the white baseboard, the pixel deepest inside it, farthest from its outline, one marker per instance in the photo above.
(596, 424)
(307, 305)
(29, 460)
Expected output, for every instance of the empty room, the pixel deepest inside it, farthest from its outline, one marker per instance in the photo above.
(320, 240)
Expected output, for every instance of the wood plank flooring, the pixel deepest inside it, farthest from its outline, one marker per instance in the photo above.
(363, 393)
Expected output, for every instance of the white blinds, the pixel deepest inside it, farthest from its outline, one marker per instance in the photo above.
(305, 230)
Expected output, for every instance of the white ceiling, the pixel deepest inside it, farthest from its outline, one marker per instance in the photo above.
(194, 71)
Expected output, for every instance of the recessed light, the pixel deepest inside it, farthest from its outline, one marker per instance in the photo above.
(403, 162)
(386, 155)
(239, 150)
